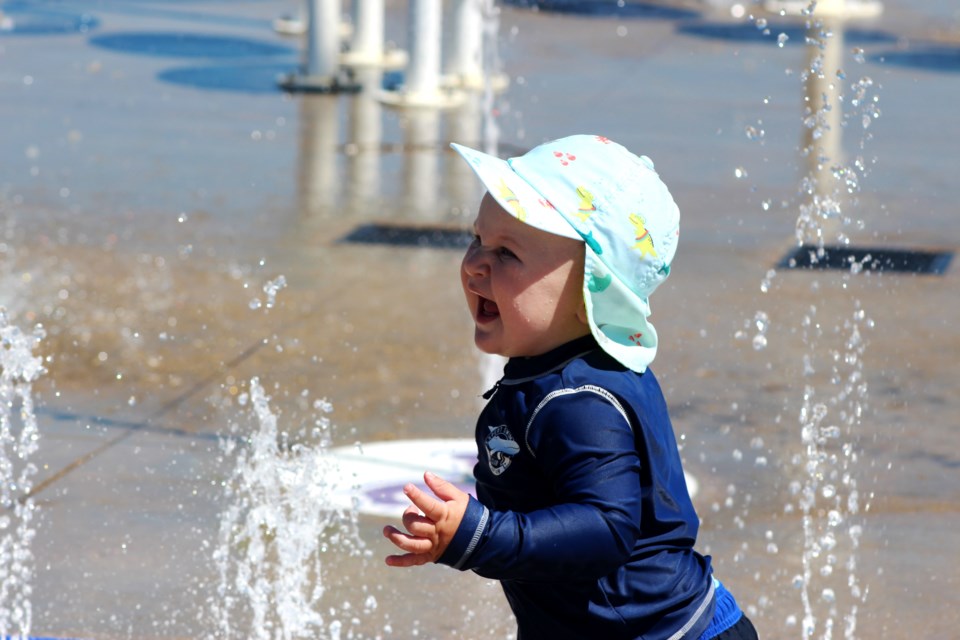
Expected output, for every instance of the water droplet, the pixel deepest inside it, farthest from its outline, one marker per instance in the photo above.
(820, 411)
(782, 40)
(271, 288)
(754, 133)
(740, 173)
(830, 432)
(759, 342)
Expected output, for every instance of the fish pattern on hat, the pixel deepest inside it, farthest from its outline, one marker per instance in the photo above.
(591, 188)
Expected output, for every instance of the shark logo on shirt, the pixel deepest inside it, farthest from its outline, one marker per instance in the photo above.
(501, 447)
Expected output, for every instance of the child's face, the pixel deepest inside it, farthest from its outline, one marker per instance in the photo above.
(523, 285)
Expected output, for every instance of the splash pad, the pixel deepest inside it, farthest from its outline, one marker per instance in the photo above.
(143, 272)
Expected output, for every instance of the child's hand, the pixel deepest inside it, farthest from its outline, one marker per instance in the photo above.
(429, 534)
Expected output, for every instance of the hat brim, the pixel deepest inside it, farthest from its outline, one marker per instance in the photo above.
(517, 196)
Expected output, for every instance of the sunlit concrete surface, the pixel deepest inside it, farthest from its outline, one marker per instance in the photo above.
(155, 185)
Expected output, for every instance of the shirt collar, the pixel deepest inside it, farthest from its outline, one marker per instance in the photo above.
(521, 369)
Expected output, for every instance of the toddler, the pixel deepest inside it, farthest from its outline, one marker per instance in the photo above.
(582, 511)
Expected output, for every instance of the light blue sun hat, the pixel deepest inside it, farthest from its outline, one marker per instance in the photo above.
(593, 189)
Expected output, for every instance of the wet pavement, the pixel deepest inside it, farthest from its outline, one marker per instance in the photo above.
(153, 183)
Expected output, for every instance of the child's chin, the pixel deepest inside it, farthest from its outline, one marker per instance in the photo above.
(487, 347)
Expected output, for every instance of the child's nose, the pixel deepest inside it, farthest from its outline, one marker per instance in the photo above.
(475, 262)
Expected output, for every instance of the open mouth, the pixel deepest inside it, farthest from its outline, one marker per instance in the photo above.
(487, 309)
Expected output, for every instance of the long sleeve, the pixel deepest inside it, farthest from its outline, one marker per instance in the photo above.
(581, 442)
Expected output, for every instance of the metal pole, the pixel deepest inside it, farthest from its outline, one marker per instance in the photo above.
(822, 135)
(368, 30)
(466, 52)
(422, 87)
(423, 73)
(322, 42)
(321, 64)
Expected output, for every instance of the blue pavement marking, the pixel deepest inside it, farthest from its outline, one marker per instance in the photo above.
(30, 20)
(177, 44)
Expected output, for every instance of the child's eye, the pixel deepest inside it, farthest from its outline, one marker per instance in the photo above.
(503, 252)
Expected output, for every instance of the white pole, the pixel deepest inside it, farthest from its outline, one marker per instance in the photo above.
(823, 140)
(466, 52)
(323, 42)
(368, 31)
(423, 72)
(422, 87)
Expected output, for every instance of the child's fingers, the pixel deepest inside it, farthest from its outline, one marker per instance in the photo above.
(431, 507)
(441, 488)
(408, 560)
(418, 549)
(407, 542)
(417, 524)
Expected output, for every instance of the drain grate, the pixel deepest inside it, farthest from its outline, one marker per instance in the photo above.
(872, 259)
(410, 236)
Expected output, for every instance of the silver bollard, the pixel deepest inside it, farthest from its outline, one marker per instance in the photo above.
(472, 22)
(366, 47)
(321, 66)
(466, 51)
(422, 87)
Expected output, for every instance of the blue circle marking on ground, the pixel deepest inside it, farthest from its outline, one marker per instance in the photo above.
(244, 78)
(188, 45)
(23, 19)
(376, 472)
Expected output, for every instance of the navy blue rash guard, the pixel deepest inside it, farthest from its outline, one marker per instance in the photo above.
(583, 513)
